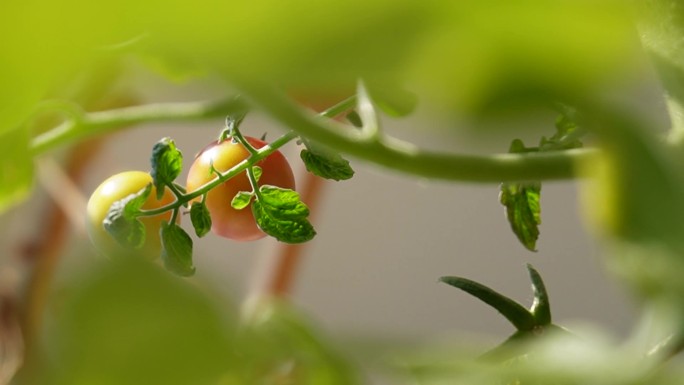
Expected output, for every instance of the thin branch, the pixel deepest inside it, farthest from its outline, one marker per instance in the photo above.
(406, 157)
(97, 123)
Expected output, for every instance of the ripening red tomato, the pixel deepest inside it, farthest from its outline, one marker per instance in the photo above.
(114, 189)
(226, 221)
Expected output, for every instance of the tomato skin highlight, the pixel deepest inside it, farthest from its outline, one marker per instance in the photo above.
(228, 222)
(114, 189)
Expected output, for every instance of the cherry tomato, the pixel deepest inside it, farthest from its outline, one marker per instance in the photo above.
(226, 221)
(116, 188)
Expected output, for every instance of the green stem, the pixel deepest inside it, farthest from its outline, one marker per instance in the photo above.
(97, 123)
(253, 181)
(408, 158)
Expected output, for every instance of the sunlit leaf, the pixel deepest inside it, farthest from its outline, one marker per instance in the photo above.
(167, 164)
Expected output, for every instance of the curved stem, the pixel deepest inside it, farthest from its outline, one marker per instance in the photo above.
(96, 123)
(408, 158)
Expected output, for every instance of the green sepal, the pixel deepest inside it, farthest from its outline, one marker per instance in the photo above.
(514, 312)
(241, 200)
(523, 210)
(281, 214)
(176, 250)
(167, 164)
(541, 307)
(325, 163)
(121, 221)
(200, 218)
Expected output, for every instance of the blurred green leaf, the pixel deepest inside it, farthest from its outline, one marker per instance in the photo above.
(130, 322)
(16, 168)
(122, 223)
(176, 250)
(200, 218)
(284, 348)
(391, 99)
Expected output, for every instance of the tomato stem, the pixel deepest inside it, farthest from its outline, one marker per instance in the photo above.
(246, 164)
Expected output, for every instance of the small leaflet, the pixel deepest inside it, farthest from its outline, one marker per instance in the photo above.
(167, 164)
(176, 250)
(121, 222)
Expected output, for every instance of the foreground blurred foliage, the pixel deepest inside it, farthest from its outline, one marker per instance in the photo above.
(462, 56)
(133, 323)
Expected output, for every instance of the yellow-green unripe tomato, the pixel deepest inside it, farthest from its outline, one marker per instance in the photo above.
(115, 188)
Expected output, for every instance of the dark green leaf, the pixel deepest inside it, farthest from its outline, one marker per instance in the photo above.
(167, 164)
(176, 250)
(514, 312)
(241, 200)
(325, 163)
(16, 167)
(122, 223)
(200, 218)
(281, 214)
(541, 308)
(523, 210)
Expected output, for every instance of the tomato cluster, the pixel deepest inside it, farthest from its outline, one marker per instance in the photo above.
(227, 221)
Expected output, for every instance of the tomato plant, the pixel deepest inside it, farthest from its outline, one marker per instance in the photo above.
(227, 221)
(466, 63)
(116, 188)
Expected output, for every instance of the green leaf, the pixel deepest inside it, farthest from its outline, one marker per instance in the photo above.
(257, 172)
(16, 168)
(541, 307)
(167, 164)
(154, 329)
(325, 163)
(200, 218)
(523, 211)
(241, 200)
(176, 250)
(274, 333)
(567, 134)
(284, 203)
(122, 223)
(514, 312)
(281, 214)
